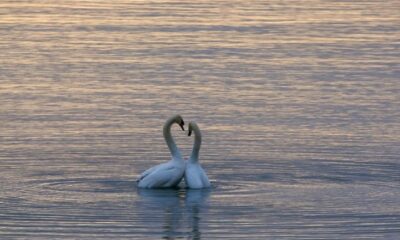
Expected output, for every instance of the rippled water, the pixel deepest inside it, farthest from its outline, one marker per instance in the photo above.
(298, 102)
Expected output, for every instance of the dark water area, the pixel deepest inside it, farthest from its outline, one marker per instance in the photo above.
(298, 103)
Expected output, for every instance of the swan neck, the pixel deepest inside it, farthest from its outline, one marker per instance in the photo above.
(196, 145)
(170, 140)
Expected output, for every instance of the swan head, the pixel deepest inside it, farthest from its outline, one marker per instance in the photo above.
(192, 127)
(180, 122)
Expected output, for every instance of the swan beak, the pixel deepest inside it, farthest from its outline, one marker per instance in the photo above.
(190, 133)
(181, 125)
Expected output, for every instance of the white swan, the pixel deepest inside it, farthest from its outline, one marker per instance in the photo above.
(195, 176)
(167, 174)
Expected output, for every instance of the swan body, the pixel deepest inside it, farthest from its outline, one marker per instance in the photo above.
(167, 174)
(195, 176)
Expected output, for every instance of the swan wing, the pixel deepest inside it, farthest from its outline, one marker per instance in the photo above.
(196, 177)
(147, 172)
(164, 176)
(161, 177)
(204, 178)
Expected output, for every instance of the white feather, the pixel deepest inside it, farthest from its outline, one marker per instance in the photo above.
(167, 174)
(195, 176)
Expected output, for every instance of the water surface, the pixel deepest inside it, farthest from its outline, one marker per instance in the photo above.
(298, 102)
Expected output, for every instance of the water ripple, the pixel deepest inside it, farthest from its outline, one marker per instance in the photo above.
(298, 105)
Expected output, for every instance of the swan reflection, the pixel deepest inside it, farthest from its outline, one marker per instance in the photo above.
(196, 204)
(177, 211)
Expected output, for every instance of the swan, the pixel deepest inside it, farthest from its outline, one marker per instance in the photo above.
(167, 174)
(195, 176)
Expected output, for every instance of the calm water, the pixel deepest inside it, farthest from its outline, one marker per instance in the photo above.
(298, 102)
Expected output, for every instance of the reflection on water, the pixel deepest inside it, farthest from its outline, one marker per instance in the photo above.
(196, 205)
(180, 209)
(166, 205)
(298, 102)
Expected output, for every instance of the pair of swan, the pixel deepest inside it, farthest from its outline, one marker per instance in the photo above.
(170, 174)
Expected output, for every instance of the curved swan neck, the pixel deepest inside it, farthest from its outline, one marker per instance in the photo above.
(197, 143)
(169, 139)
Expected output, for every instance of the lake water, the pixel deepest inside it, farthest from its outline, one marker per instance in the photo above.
(298, 103)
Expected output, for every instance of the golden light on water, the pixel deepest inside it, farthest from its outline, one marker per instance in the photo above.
(297, 101)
